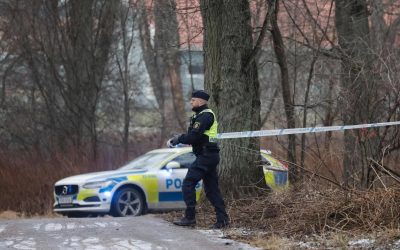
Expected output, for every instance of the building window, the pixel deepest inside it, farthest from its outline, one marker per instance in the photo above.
(196, 69)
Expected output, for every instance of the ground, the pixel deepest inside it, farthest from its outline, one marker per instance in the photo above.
(143, 232)
(152, 232)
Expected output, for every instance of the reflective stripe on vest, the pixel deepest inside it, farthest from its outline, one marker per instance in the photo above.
(213, 131)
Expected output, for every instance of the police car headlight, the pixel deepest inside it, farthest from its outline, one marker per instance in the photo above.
(97, 184)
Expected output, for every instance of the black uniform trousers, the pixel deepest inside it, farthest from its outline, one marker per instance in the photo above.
(204, 168)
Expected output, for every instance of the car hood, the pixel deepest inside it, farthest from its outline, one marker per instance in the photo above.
(98, 176)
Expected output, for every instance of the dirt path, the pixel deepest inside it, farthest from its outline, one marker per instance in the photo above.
(144, 232)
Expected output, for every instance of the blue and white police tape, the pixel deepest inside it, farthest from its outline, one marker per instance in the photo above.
(293, 131)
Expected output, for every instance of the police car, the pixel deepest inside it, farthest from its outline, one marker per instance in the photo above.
(152, 181)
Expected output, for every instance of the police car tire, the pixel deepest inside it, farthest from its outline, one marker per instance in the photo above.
(115, 206)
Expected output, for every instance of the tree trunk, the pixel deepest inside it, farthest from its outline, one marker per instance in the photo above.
(163, 62)
(305, 110)
(358, 90)
(330, 114)
(234, 89)
(280, 53)
(122, 59)
(166, 42)
(150, 56)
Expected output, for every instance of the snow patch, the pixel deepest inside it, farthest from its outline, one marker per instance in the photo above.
(95, 247)
(362, 243)
(75, 238)
(101, 224)
(53, 227)
(6, 243)
(307, 245)
(2, 227)
(71, 226)
(90, 240)
(18, 243)
(26, 244)
(134, 244)
(217, 235)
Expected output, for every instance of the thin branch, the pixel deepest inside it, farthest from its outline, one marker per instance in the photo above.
(257, 47)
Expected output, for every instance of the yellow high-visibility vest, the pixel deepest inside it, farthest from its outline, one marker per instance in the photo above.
(213, 131)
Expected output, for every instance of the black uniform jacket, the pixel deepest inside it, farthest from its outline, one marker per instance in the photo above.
(195, 136)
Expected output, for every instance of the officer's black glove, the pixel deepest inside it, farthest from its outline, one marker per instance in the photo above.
(175, 140)
(169, 144)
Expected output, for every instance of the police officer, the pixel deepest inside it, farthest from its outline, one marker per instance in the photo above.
(201, 134)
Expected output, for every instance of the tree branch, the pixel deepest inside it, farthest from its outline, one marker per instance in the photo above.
(260, 39)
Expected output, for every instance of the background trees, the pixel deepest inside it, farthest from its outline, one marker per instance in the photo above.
(63, 50)
(162, 59)
(363, 98)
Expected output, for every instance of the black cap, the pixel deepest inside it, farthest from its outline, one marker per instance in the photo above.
(201, 94)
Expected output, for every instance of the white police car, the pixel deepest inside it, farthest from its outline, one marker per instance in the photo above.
(152, 181)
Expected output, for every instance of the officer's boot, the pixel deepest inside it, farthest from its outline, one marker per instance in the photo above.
(185, 222)
(222, 221)
(189, 219)
(220, 224)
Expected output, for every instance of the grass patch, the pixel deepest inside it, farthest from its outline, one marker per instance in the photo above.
(10, 215)
(312, 217)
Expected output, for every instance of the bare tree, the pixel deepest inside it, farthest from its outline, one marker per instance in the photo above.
(358, 89)
(280, 53)
(231, 78)
(126, 27)
(66, 48)
(167, 43)
(162, 59)
(151, 59)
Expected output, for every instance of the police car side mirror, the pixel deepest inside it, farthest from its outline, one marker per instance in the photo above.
(173, 164)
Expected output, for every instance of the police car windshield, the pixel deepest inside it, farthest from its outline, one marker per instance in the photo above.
(146, 161)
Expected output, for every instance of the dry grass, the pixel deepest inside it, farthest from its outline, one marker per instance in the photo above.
(338, 240)
(11, 215)
(312, 218)
(310, 211)
(316, 211)
(27, 187)
(272, 242)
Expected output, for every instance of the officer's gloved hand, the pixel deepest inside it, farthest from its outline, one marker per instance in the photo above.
(173, 141)
(169, 145)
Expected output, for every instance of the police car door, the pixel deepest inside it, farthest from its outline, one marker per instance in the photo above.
(170, 183)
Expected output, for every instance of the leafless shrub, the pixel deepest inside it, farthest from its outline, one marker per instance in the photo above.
(322, 217)
(314, 210)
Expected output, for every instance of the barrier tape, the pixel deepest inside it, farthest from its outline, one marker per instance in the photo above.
(293, 131)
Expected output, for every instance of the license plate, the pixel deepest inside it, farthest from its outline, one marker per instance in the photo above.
(65, 200)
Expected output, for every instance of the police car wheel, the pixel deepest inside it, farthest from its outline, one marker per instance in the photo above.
(127, 202)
